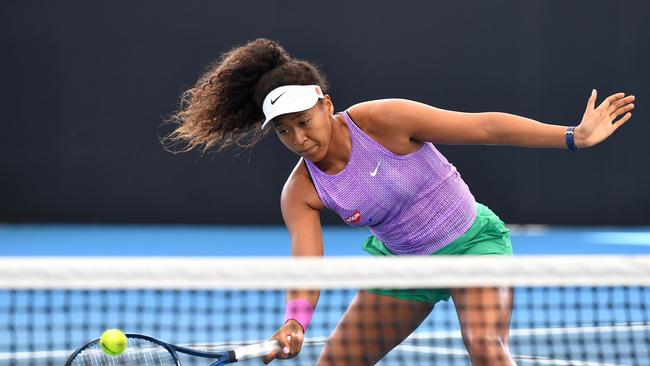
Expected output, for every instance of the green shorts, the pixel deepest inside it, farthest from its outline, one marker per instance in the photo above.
(487, 236)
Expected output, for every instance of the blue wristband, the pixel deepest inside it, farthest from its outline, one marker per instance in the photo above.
(569, 139)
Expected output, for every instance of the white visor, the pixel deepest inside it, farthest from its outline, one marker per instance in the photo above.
(290, 99)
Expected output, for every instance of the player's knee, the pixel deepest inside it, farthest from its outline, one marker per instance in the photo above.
(487, 349)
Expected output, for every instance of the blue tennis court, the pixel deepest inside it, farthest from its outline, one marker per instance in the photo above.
(555, 323)
(107, 240)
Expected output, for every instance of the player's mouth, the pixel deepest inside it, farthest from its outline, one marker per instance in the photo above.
(309, 150)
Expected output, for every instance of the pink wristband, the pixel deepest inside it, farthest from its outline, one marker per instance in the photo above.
(301, 311)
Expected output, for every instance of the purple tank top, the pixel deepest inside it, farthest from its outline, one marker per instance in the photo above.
(415, 204)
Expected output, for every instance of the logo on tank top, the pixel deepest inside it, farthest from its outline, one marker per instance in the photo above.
(373, 173)
(354, 218)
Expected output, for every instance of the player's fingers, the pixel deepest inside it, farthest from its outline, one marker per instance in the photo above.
(270, 357)
(620, 103)
(622, 121)
(624, 109)
(284, 341)
(296, 343)
(610, 100)
(283, 347)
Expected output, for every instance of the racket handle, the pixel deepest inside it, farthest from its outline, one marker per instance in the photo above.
(256, 350)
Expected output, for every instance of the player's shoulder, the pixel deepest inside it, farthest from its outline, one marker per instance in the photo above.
(379, 116)
(299, 188)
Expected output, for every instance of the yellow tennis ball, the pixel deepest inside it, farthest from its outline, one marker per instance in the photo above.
(112, 342)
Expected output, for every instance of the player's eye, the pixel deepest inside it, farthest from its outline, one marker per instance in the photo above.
(303, 123)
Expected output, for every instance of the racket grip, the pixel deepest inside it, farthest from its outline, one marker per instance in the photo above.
(256, 350)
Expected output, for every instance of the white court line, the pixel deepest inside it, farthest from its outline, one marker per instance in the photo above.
(632, 327)
(550, 361)
(524, 332)
(521, 332)
(5, 356)
(435, 350)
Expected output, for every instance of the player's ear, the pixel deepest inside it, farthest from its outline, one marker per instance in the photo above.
(328, 105)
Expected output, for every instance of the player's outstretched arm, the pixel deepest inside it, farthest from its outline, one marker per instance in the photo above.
(422, 122)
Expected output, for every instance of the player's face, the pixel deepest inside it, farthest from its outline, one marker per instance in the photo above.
(307, 133)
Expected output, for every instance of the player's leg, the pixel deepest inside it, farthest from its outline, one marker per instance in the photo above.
(370, 328)
(484, 315)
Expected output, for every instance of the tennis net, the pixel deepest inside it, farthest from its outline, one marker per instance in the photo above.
(573, 310)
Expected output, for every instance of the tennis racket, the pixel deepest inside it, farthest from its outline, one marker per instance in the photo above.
(143, 350)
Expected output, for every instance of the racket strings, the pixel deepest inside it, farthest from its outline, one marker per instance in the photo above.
(138, 352)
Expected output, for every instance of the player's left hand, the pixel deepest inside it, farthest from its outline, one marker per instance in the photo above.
(598, 123)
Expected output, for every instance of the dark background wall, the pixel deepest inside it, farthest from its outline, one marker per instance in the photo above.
(85, 86)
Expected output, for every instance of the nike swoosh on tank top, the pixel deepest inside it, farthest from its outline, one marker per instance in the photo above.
(415, 204)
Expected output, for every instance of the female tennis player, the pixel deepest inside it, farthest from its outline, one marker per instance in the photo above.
(375, 165)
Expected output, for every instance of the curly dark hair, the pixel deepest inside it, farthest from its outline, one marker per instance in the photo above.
(224, 107)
